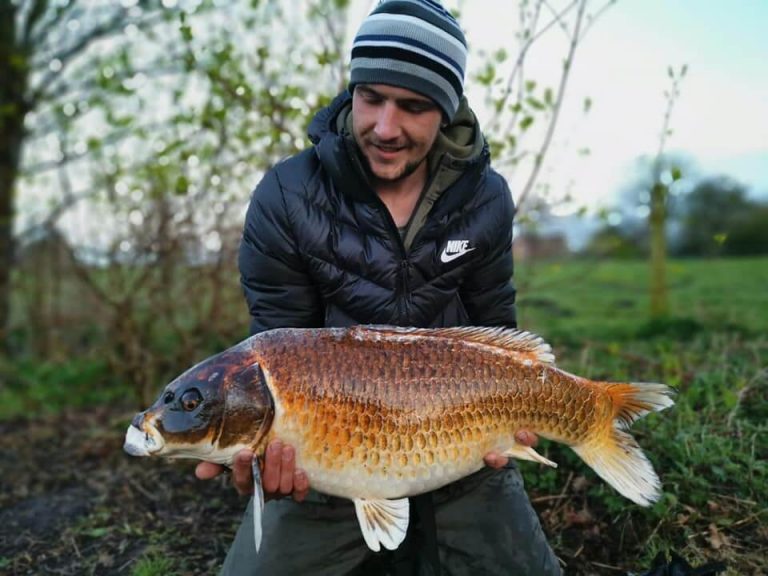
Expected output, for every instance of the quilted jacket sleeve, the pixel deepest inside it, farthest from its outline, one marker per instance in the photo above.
(277, 287)
(488, 293)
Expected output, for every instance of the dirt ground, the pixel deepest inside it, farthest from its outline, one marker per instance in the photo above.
(72, 503)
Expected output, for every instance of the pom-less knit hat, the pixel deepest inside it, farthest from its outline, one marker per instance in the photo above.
(412, 44)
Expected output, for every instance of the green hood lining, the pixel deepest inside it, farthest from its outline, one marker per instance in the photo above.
(456, 145)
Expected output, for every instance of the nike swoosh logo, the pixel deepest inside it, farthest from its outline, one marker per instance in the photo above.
(445, 257)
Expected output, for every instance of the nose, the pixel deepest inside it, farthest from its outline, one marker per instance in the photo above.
(387, 122)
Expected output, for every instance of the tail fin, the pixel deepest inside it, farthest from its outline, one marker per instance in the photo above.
(614, 454)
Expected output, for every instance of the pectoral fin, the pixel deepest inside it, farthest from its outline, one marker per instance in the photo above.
(527, 453)
(258, 503)
(383, 522)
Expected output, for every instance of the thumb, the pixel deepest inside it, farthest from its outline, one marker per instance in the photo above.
(208, 470)
(526, 438)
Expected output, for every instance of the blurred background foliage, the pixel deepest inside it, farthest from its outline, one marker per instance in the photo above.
(135, 131)
(131, 134)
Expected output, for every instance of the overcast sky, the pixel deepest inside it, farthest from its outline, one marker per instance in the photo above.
(720, 119)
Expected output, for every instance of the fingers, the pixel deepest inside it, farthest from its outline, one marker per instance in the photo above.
(270, 477)
(526, 438)
(242, 473)
(287, 468)
(208, 470)
(495, 460)
(280, 476)
(300, 485)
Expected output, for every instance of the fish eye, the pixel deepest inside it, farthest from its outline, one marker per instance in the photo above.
(191, 399)
(168, 398)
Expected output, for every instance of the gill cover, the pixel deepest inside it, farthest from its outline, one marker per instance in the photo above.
(248, 409)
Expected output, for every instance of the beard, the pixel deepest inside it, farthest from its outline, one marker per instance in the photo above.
(408, 169)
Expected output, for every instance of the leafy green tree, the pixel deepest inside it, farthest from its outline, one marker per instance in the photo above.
(169, 129)
(719, 219)
(749, 236)
(617, 241)
(162, 125)
(59, 60)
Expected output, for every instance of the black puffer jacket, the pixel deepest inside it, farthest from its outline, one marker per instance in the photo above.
(319, 247)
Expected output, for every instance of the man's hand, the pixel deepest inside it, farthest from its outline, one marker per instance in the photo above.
(524, 437)
(279, 477)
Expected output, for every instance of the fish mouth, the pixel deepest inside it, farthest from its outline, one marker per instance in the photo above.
(140, 442)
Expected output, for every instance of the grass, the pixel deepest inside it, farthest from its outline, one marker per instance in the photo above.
(709, 449)
(154, 564)
(48, 386)
(606, 300)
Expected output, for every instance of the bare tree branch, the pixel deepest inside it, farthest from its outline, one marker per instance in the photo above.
(592, 18)
(517, 69)
(558, 102)
(557, 17)
(37, 37)
(97, 32)
(60, 89)
(36, 11)
(116, 136)
(46, 85)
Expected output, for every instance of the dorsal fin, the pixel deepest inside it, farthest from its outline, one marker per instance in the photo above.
(524, 343)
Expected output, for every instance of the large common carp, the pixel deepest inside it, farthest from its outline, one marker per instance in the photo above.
(379, 413)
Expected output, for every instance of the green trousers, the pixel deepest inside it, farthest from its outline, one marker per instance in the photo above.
(482, 524)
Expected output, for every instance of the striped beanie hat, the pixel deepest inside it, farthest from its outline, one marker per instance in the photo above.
(412, 44)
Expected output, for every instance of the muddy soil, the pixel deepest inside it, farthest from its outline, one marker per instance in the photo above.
(72, 503)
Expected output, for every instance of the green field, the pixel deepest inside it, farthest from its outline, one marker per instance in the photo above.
(608, 300)
(710, 449)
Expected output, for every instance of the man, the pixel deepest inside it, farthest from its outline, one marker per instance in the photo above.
(394, 216)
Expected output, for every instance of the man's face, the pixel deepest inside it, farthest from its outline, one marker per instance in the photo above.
(395, 129)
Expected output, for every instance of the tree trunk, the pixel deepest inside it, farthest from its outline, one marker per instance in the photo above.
(11, 138)
(14, 71)
(658, 217)
(7, 179)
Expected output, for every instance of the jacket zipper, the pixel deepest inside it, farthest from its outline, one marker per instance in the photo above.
(404, 271)
(404, 262)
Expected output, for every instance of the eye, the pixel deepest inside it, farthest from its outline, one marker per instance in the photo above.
(369, 96)
(418, 107)
(191, 399)
(168, 398)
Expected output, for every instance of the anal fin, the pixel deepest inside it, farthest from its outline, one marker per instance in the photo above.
(527, 453)
(383, 522)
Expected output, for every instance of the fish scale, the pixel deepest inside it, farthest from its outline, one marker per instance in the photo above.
(379, 413)
(444, 416)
